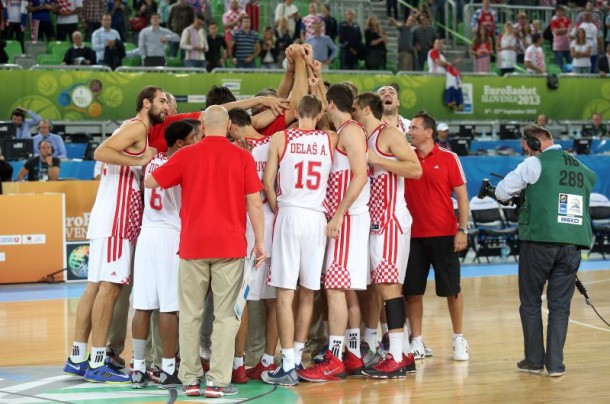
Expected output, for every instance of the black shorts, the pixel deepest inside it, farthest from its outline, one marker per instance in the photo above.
(438, 252)
(46, 30)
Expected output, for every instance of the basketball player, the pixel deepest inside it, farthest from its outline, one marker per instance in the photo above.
(113, 229)
(391, 159)
(391, 104)
(347, 197)
(300, 160)
(156, 266)
(242, 131)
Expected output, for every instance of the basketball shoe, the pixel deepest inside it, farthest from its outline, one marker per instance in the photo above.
(76, 369)
(330, 369)
(353, 364)
(239, 376)
(256, 371)
(138, 379)
(106, 374)
(390, 369)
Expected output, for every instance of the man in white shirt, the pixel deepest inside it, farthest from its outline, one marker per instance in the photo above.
(193, 41)
(534, 56)
(153, 40)
(67, 18)
(104, 37)
(288, 10)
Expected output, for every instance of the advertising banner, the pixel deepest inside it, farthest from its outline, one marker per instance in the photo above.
(85, 95)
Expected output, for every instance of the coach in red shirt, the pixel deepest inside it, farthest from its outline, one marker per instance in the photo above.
(436, 236)
(219, 183)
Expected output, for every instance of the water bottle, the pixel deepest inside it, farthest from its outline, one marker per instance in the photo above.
(494, 134)
(504, 251)
(578, 133)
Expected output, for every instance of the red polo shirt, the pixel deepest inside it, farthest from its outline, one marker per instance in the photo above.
(156, 134)
(429, 198)
(215, 176)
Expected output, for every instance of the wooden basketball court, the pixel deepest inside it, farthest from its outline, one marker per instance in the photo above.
(36, 336)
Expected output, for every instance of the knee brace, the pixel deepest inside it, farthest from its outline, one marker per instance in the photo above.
(395, 312)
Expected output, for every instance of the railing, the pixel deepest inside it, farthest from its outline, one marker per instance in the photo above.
(97, 68)
(10, 66)
(245, 70)
(159, 69)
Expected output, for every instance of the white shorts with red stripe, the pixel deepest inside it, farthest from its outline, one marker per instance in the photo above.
(155, 273)
(110, 260)
(299, 241)
(390, 251)
(259, 290)
(347, 258)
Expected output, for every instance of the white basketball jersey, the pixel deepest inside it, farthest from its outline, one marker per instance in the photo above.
(161, 206)
(387, 190)
(260, 153)
(118, 206)
(304, 169)
(340, 178)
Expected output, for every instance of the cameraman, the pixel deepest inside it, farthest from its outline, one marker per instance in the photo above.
(554, 225)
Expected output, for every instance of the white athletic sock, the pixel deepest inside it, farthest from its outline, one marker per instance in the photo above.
(418, 339)
(407, 329)
(98, 356)
(299, 347)
(458, 335)
(79, 352)
(168, 365)
(139, 365)
(396, 345)
(335, 346)
(370, 337)
(267, 360)
(288, 359)
(238, 362)
(139, 347)
(352, 336)
(406, 343)
(384, 328)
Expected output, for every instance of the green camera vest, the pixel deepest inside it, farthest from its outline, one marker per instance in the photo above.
(556, 207)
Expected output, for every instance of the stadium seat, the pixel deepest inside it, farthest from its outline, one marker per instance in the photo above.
(48, 60)
(132, 61)
(129, 46)
(35, 48)
(174, 61)
(12, 49)
(25, 61)
(58, 48)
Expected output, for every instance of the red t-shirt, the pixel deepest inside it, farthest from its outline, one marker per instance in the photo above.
(278, 125)
(215, 176)
(156, 134)
(429, 198)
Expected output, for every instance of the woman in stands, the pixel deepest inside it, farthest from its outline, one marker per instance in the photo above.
(507, 49)
(482, 47)
(580, 49)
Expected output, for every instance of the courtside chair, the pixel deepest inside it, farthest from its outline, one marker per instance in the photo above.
(493, 230)
(599, 209)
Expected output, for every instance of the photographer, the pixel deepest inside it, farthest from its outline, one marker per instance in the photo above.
(554, 225)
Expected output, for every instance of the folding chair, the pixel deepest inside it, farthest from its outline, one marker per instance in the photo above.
(599, 209)
(493, 230)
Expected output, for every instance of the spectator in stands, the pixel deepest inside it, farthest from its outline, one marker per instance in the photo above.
(542, 120)
(506, 48)
(324, 49)
(598, 128)
(595, 14)
(194, 42)
(245, 46)
(79, 54)
(217, 48)
(23, 124)
(45, 135)
(423, 39)
(43, 167)
(523, 30)
(350, 42)
(119, 13)
(163, 9)
(68, 13)
(104, 39)
(436, 59)
(375, 41)
(42, 23)
(6, 169)
(485, 16)
(3, 54)
(181, 16)
(560, 25)
(594, 35)
(580, 50)
(290, 12)
(406, 50)
(534, 56)
(269, 49)
(92, 16)
(603, 63)
(482, 46)
(146, 8)
(442, 136)
(153, 40)
(284, 38)
(330, 22)
(15, 21)
(232, 18)
(309, 20)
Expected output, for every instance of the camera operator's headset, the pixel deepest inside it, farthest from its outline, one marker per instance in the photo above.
(532, 141)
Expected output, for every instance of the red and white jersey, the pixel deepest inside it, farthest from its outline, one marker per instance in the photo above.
(118, 206)
(401, 123)
(161, 206)
(260, 153)
(304, 168)
(434, 55)
(340, 178)
(387, 190)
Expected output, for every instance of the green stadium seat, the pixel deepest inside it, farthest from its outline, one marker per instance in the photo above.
(48, 59)
(53, 44)
(174, 61)
(129, 46)
(462, 31)
(13, 48)
(132, 61)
